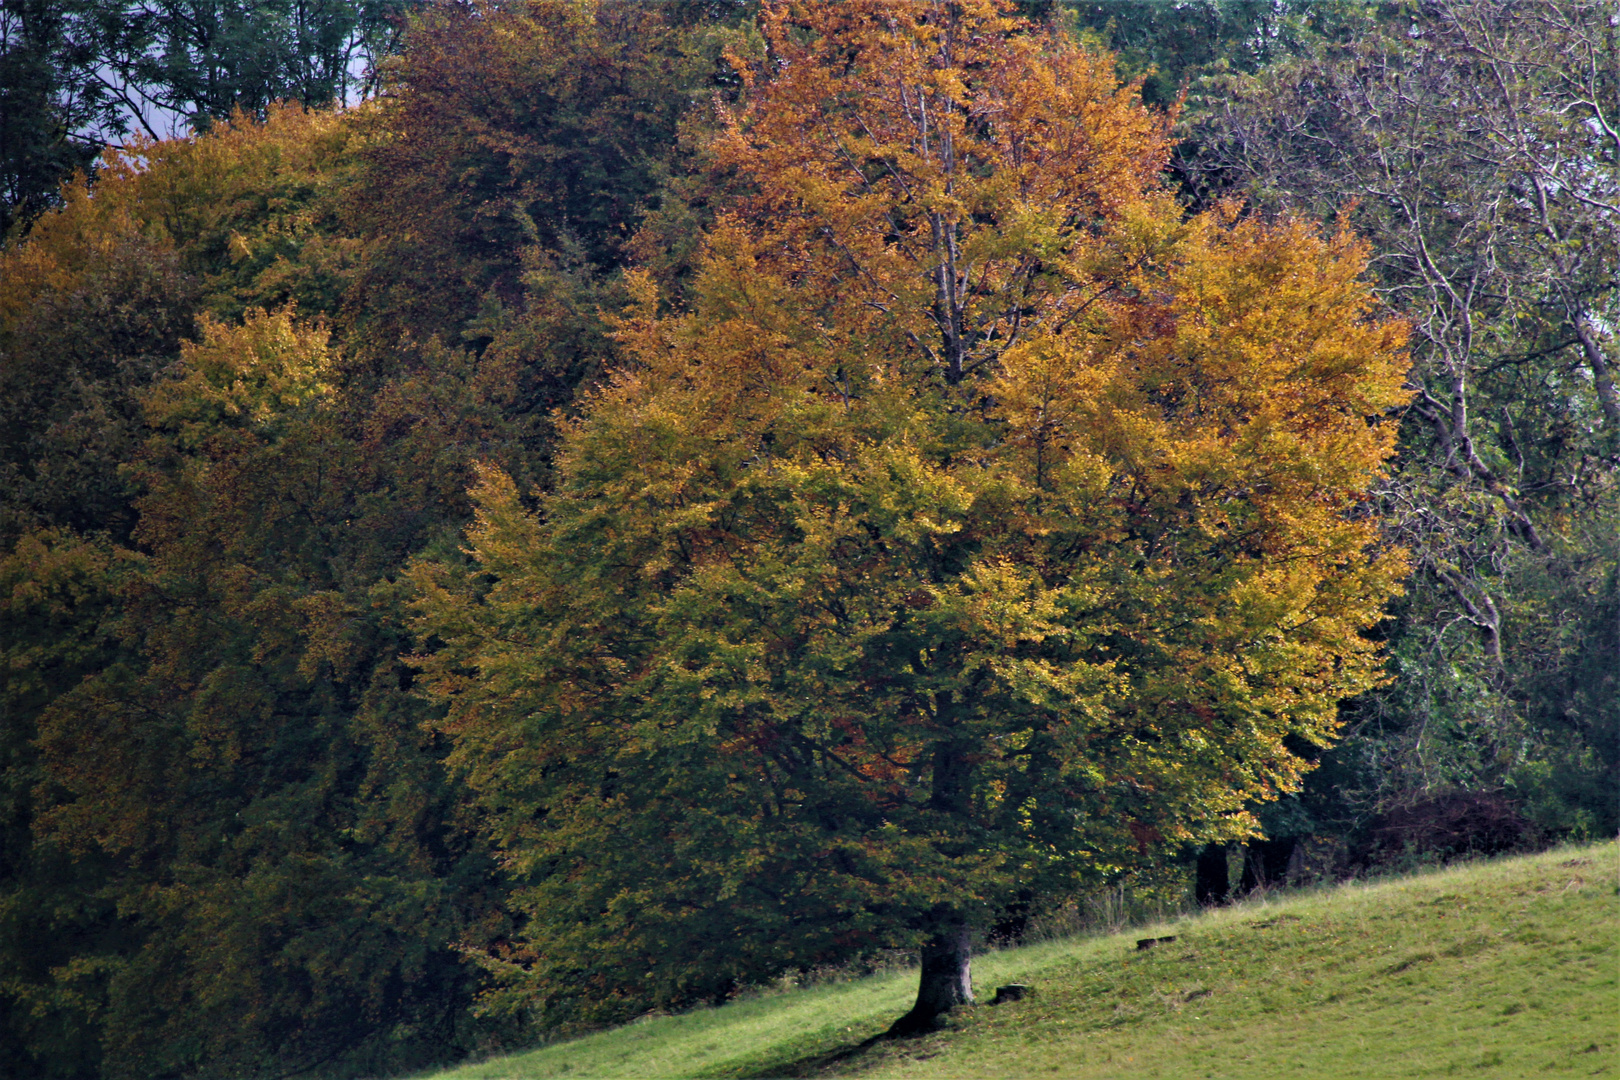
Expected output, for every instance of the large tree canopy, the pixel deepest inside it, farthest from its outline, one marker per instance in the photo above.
(979, 523)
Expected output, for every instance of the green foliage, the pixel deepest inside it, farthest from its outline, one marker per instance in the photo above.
(201, 62)
(1170, 45)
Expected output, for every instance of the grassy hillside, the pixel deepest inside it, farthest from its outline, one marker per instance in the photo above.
(1502, 969)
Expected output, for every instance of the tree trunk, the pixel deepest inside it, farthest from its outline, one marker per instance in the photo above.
(1214, 881)
(1267, 863)
(945, 982)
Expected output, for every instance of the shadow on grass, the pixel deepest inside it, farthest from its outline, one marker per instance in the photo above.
(842, 1060)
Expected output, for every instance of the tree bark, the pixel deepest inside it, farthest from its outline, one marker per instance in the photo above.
(945, 982)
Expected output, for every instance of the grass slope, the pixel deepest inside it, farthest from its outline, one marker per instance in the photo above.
(1501, 969)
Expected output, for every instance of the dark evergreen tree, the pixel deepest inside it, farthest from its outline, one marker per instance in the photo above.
(50, 111)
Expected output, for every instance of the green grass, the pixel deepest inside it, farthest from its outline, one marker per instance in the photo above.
(1502, 969)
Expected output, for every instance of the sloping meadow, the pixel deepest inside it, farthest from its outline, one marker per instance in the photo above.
(1497, 969)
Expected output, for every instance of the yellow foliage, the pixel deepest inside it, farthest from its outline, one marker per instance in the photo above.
(242, 206)
(251, 375)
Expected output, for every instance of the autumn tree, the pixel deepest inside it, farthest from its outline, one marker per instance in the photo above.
(556, 150)
(273, 825)
(230, 845)
(95, 300)
(493, 212)
(980, 524)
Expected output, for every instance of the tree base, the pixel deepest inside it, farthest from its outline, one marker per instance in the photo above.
(914, 1023)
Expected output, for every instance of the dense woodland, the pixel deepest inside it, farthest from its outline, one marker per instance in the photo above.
(537, 512)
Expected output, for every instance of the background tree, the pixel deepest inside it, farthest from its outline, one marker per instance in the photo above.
(81, 76)
(45, 107)
(197, 62)
(981, 526)
(234, 854)
(494, 212)
(58, 933)
(277, 831)
(1171, 45)
(1477, 143)
(231, 846)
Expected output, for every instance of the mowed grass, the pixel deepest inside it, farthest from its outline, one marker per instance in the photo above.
(1502, 969)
